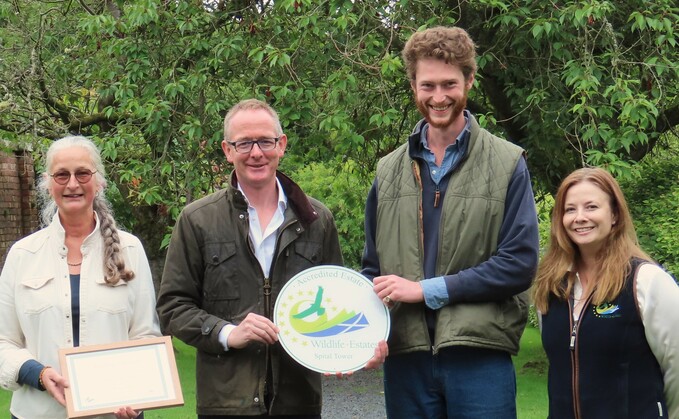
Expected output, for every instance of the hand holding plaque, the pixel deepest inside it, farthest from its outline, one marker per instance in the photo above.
(330, 319)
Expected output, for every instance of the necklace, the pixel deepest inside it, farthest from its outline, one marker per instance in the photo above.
(74, 264)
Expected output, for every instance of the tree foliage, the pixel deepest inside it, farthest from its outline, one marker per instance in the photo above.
(573, 82)
(655, 209)
(344, 196)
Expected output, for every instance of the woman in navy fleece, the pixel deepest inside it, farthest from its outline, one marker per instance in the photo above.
(609, 313)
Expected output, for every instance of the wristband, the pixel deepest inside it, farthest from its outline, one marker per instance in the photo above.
(40, 382)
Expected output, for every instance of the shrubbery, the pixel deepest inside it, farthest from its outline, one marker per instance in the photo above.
(344, 192)
(654, 202)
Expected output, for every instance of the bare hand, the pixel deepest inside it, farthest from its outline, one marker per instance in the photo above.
(392, 288)
(339, 375)
(55, 384)
(254, 328)
(381, 353)
(126, 413)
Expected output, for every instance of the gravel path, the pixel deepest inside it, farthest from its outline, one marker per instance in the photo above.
(359, 396)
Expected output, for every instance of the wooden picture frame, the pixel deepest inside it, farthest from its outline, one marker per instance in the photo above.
(141, 374)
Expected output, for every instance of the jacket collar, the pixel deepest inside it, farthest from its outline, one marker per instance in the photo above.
(297, 199)
(57, 229)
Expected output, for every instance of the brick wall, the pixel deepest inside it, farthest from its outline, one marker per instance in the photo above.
(18, 209)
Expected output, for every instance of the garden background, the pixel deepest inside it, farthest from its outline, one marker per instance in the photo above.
(573, 82)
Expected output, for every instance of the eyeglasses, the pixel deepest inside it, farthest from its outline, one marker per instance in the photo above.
(82, 176)
(245, 146)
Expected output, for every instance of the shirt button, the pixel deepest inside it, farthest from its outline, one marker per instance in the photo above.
(241, 216)
(256, 399)
(433, 172)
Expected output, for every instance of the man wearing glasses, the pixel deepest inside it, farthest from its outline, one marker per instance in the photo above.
(230, 255)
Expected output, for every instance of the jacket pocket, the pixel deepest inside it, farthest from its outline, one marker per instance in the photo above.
(112, 300)
(36, 283)
(306, 254)
(221, 287)
(112, 309)
(36, 295)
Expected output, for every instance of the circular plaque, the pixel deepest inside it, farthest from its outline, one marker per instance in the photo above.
(330, 319)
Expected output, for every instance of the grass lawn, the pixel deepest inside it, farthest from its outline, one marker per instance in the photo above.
(531, 369)
(531, 377)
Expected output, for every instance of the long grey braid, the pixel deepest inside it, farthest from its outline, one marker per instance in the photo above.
(114, 263)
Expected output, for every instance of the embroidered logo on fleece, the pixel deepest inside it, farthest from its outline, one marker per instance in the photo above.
(607, 311)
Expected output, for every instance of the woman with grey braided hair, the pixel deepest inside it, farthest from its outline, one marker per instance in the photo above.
(78, 281)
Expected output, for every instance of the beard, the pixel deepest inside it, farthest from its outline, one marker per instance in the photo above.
(457, 107)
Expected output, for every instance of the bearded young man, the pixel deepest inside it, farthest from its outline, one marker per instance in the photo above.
(451, 245)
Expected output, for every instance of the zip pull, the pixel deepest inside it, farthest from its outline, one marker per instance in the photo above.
(437, 195)
(267, 297)
(573, 334)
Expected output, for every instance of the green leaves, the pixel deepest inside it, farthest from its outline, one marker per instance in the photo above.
(270, 55)
(573, 82)
(385, 118)
(344, 196)
(653, 198)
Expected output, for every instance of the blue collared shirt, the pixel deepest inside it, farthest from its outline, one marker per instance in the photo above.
(452, 155)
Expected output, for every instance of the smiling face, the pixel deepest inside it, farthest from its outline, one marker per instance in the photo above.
(256, 169)
(74, 198)
(440, 92)
(588, 217)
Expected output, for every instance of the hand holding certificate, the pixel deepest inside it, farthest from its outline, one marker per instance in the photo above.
(141, 374)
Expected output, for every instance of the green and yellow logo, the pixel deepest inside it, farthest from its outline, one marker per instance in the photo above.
(310, 318)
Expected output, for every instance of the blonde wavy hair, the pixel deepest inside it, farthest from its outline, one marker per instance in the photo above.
(114, 264)
(562, 254)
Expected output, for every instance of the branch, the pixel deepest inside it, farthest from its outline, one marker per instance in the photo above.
(667, 121)
(50, 102)
(87, 9)
(77, 124)
(503, 110)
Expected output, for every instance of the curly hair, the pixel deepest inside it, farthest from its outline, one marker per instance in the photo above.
(114, 264)
(452, 45)
(613, 258)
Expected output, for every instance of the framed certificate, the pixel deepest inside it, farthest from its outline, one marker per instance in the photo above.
(141, 374)
(330, 319)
